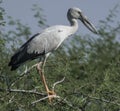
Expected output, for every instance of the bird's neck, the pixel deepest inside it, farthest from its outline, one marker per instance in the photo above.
(74, 25)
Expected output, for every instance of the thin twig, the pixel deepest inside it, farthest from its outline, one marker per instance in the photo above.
(11, 99)
(51, 96)
(26, 91)
(33, 91)
(58, 82)
(67, 102)
(24, 73)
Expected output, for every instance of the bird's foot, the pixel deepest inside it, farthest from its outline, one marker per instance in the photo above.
(51, 95)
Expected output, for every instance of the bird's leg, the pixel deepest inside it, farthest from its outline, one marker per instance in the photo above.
(41, 72)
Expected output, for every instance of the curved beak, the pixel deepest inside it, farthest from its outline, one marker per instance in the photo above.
(87, 23)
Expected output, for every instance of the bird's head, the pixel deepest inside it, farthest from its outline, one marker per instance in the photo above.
(76, 13)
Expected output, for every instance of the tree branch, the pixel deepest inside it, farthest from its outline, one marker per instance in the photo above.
(60, 99)
(23, 91)
(58, 82)
(27, 91)
(51, 96)
(24, 73)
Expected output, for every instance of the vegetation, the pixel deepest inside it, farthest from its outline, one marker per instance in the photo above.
(90, 65)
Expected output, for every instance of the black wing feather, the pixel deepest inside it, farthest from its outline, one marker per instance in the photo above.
(22, 56)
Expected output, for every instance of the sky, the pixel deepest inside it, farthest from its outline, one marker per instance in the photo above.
(55, 11)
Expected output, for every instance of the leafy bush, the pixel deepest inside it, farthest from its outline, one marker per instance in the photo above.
(90, 65)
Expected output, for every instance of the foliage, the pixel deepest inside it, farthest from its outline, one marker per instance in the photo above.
(38, 15)
(2, 22)
(90, 65)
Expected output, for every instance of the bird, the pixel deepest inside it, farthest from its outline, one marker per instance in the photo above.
(42, 44)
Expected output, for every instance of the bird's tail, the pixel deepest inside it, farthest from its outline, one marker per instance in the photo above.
(21, 57)
(14, 67)
(15, 61)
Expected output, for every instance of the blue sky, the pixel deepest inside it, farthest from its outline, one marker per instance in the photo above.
(55, 11)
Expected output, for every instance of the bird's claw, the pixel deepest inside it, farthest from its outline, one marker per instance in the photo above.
(51, 95)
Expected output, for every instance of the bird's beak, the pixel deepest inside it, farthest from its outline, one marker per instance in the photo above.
(87, 23)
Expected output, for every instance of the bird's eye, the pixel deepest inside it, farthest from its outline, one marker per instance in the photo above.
(79, 12)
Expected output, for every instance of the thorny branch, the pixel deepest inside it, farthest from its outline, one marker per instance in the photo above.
(24, 73)
(45, 96)
(52, 96)
(32, 91)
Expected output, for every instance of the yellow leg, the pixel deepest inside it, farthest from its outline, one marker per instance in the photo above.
(50, 93)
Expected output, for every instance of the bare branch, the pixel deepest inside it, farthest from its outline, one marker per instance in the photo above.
(11, 99)
(51, 96)
(24, 73)
(68, 103)
(27, 91)
(58, 82)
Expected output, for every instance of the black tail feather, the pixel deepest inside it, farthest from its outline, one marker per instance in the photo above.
(21, 57)
(17, 59)
(14, 63)
(14, 67)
